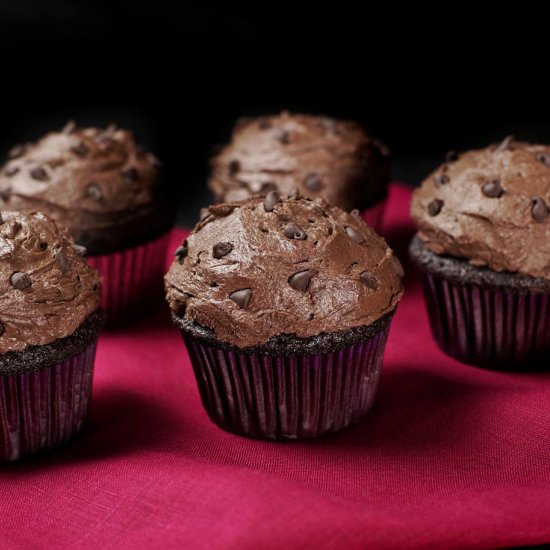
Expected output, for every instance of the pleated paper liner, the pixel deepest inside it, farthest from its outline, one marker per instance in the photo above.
(494, 320)
(45, 408)
(132, 278)
(288, 397)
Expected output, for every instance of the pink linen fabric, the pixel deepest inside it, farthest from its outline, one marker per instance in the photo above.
(450, 456)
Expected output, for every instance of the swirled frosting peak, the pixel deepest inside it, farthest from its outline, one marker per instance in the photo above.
(47, 290)
(490, 206)
(267, 266)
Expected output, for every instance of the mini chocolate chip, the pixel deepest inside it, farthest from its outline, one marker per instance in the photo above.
(267, 187)
(368, 278)
(79, 249)
(294, 194)
(294, 231)
(492, 189)
(313, 182)
(221, 210)
(80, 150)
(434, 208)
(354, 235)
(219, 250)
(451, 156)
(39, 174)
(69, 127)
(2, 328)
(93, 191)
(11, 171)
(283, 137)
(131, 175)
(61, 258)
(264, 124)
(271, 200)
(544, 158)
(42, 246)
(539, 210)
(16, 151)
(505, 144)
(181, 252)
(20, 280)
(234, 167)
(442, 179)
(241, 297)
(203, 214)
(300, 280)
(398, 266)
(355, 212)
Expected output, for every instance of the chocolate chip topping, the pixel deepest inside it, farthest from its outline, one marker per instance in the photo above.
(434, 207)
(300, 286)
(544, 158)
(234, 167)
(20, 280)
(492, 189)
(451, 156)
(79, 249)
(368, 278)
(131, 175)
(221, 210)
(181, 252)
(313, 182)
(300, 280)
(356, 213)
(80, 150)
(283, 137)
(354, 235)
(271, 200)
(539, 209)
(442, 179)
(294, 231)
(219, 250)
(241, 297)
(39, 174)
(93, 191)
(62, 260)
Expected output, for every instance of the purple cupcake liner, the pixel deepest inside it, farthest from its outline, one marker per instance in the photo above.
(374, 216)
(495, 329)
(279, 397)
(44, 408)
(132, 278)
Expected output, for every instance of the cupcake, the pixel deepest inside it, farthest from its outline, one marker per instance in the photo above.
(317, 156)
(284, 306)
(483, 244)
(50, 317)
(104, 188)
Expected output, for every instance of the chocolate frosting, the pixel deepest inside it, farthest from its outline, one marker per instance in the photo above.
(98, 183)
(264, 267)
(490, 206)
(47, 290)
(318, 156)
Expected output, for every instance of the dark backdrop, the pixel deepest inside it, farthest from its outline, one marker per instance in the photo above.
(425, 79)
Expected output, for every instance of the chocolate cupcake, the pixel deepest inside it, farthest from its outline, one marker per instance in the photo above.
(104, 188)
(50, 318)
(285, 306)
(317, 156)
(483, 244)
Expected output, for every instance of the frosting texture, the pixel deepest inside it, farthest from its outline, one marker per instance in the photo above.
(317, 156)
(491, 207)
(98, 183)
(47, 290)
(266, 267)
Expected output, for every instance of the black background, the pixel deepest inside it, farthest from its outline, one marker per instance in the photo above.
(425, 78)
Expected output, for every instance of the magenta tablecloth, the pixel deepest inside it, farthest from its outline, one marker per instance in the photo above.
(450, 457)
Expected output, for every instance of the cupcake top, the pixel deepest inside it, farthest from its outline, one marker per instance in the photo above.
(47, 290)
(490, 207)
(266, 267)
(98, 183)
(317, 156)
